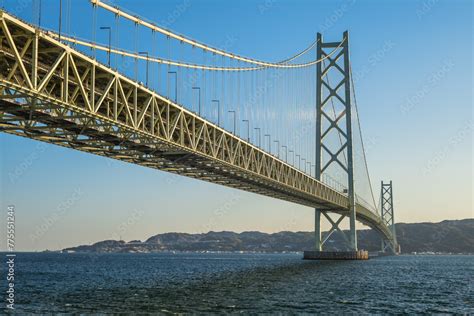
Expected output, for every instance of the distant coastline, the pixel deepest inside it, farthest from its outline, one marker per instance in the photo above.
(446, 237)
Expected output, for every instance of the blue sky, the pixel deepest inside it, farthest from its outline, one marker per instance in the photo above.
(412, 62)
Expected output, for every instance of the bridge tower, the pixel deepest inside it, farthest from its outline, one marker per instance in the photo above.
(386, 209)
(334, 119)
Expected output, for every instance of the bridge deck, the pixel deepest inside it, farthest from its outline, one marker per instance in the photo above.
(53, 93)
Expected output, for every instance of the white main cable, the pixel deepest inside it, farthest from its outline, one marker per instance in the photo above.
(122, 52)
(181, 38)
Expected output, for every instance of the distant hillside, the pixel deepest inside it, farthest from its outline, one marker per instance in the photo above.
(450, 236)
(446, 236)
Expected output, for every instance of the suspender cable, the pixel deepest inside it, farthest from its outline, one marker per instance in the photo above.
(94, 45)
(186, 40)
(135, 43)
(117, 39)
(360, 134)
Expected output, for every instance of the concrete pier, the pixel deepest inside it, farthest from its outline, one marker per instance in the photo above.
(336, 255)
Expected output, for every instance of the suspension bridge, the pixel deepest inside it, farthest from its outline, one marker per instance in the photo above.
(287, 129)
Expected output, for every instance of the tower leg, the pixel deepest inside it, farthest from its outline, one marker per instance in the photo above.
(317, 230)
(350, 160)
(353, 231)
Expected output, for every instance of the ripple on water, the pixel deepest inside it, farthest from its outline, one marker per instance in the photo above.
(177, 283)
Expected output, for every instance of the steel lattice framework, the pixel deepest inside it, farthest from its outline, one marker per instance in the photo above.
(341, 124)
(386, 209)
(53, 93)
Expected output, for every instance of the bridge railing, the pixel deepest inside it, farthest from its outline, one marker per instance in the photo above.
(366, 204)
(333, 183)
(338, 186)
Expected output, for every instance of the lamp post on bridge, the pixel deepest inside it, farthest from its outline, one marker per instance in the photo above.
(259, 136)
(248, 129)
(175, 85)
(199, 101)
(286, 153)
(39, 13)
(269, 143)
(60, 18)
(293, 160)
(278, 148)
(304, 164)
(147, 65)
(309, 169)
(110, 42)
(299, 161)
(218, 111)
(233, 112)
